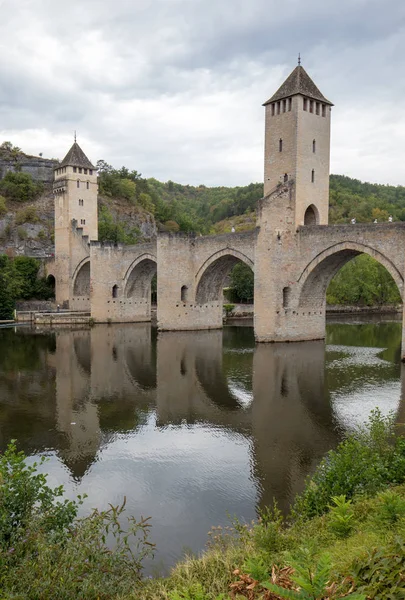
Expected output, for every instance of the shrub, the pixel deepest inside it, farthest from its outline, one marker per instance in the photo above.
(341, 521)
(27, 215)
(391, 508)
(311, 580)
(22, 234)
(3, 206)
(379, 573)
(45, 552)
(20, 187)
(228, 308)
(25, 498)
(363, 463)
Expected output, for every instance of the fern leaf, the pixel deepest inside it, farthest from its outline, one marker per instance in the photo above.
(283, 593)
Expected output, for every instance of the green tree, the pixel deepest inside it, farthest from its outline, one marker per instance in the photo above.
(363, 281)
(20, 187)
(242, 282)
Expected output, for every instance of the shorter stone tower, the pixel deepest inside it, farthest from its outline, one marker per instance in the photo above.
(297, 146)
(75, 189)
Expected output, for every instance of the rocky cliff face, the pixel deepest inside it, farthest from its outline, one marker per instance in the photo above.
(41, 169)
(27, 229)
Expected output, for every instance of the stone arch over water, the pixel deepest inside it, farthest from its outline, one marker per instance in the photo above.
(138, 279)
(320, 271)
(211, 277)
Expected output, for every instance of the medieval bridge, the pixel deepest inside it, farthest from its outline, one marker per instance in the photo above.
(293, 251)
(293, 268)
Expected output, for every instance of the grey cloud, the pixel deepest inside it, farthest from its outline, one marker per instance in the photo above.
(173, 88)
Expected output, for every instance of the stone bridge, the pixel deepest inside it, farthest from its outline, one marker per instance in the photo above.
(293, 266)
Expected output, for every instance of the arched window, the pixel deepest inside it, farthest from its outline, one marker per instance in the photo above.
(289, 103)
(280, 145)
(184, 293)
(286, 297)
(87, 184)
(305, 104)
(115, 291)
(313, 175)
(78, 183)
(313, 146)
(272, 109)
(285, 177)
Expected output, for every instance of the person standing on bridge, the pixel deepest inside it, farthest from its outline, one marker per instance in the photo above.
(353, 221)
(390, 219)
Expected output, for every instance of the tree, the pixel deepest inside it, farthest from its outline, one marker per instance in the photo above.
(363, 281)
(242, 282)
(20, 187)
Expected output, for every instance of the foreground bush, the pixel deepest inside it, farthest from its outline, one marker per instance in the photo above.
(368, 460)
(47, 553)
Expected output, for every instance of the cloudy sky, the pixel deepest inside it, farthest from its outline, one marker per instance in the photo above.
(174, 88)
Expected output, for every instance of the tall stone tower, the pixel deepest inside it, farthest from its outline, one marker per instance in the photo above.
(297, 146)
(75, 189)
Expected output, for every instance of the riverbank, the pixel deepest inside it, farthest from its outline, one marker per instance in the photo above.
(345, 533)
(246, 311)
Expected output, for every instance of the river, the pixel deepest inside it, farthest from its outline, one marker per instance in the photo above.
(190, 426)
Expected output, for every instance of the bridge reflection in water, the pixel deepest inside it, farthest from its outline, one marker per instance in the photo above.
(262, 415)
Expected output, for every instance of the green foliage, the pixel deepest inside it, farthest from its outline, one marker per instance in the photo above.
(350, 198)
(121, 183)
(363, 463)
(312, 582)
(267, 534)
(380, 572)
(242, 282)
(26, 215)
(19, 280)
(22, 234)
(3, 206)
(110, 229)
(228, 308)
(198, 208)
(391, 508)
(45, 552)
(25, 498)
(256, 568)
(8, 151)
(341, 519)
(20, 187)
(363, 281)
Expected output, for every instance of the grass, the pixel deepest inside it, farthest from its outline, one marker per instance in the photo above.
(214, 572)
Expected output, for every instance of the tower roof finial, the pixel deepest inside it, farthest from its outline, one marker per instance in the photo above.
(299, 59)
(75, 135)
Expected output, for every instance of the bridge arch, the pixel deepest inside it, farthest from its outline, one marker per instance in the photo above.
(139, 275)
(211, 276)
(81, 278)
(317, 275)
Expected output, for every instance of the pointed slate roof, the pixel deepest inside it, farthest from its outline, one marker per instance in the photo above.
(76, 158)
(298, 82)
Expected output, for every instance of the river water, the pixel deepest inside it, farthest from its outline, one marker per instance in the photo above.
(190, 426)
